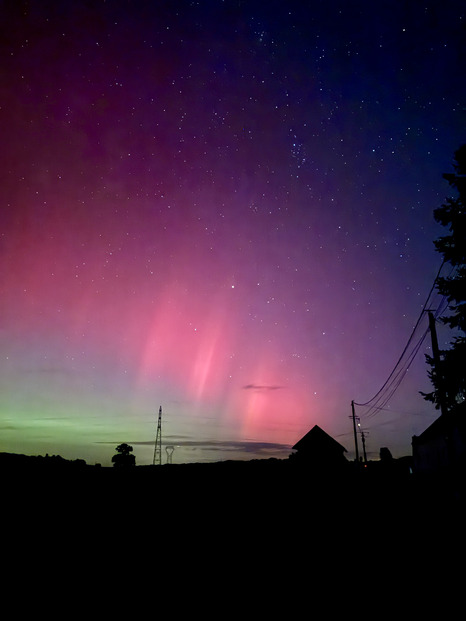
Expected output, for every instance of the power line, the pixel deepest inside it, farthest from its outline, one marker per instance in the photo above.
(397, 380)
(384, 398)
(398, 375)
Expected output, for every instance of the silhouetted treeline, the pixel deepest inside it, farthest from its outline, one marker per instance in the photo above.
(264, 484)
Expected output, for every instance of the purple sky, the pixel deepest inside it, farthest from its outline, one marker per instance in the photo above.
(222, 208)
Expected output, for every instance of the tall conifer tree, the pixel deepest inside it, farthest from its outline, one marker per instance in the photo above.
(452, 214)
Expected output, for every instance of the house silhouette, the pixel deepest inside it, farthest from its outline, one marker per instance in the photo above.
(317, 448)
(441, 448)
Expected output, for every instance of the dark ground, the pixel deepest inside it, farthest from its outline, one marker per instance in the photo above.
(249, 539)
(271, 489)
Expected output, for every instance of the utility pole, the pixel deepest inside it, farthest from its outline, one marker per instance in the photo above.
(158, 441)
(441, 395)
(363, 440)
(355, 433)
(437, 366)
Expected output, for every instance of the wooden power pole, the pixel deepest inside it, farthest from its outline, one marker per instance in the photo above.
(355, 432)
(437, 366)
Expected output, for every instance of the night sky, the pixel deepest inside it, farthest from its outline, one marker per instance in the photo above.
(225, 209)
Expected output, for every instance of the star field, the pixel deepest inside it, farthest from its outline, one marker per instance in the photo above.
(223, 208)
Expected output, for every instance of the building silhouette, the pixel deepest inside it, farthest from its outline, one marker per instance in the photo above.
(317, 448)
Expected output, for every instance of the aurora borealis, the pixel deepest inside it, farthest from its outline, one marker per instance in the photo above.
(222, 208)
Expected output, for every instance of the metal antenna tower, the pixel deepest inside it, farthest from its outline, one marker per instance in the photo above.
(158, 441)
(169, 450)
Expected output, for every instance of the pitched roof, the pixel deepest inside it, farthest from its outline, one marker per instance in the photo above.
(317, 439)
(457, 418)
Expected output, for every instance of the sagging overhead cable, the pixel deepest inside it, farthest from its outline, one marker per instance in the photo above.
(397, 374)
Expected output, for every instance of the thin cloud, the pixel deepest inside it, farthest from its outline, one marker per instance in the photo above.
(248, 446)
(262, 387)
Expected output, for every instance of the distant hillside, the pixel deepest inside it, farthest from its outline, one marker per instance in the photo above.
(230, 494)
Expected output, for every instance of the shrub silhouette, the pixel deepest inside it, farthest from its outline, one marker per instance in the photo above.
(123, 458)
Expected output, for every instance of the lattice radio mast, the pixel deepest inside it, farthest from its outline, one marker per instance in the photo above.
(158, 441)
